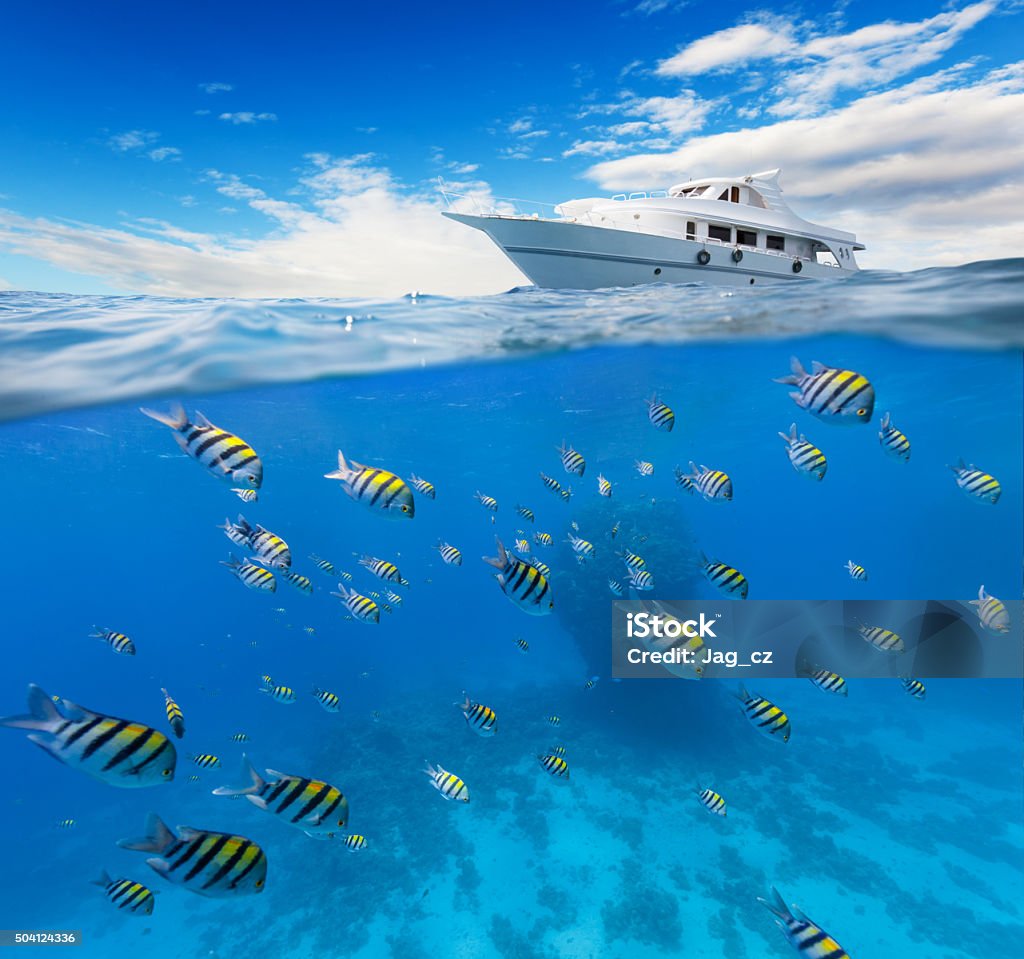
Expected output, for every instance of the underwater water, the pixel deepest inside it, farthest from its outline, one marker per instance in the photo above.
(894, 822)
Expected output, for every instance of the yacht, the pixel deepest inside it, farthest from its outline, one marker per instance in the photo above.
(722, 230)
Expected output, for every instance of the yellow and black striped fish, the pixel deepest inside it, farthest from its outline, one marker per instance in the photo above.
(572, 461)
(711, 484)
(66, 824)
(240, 738)
(977, 484)
(238, 535)
(300, 582)
(992, 612)
(832, 395)
(631, 559)
(382, 569)
(447, 784)
(913, 686)
(254, 577)
(247, 495)
(422, 486)
(194, 778)
(118, 642)
(641, 579)
(312, 805)
(764, 716)
(330, 701)
(345, 576)
(592, 682)
(882, 639)
(325, 566)
(616, 588)
(523, 546)
(894, 443)
(543, 539)
(206, 760)
(551, 483)
(683, 480)
(643, 467)
(659, 414)
(556, 751)
(543, 568)
(375, 488)
(393, 597)
(487, 502)
(481, 719)
(118, 752)
(604, 488)
(215, 864)
(555, 765)
(810, 940)
(712, 801)
(361, 607)
(524, 585)
(825, 680)
(280, 694)
(856, 572)
(526, 513)
(174, 714)
(553, 720)
(269, 548)
(221, 452)
(724, 578)
(522, 645)
(582, 546)
(804, 456)
(355, 842)
(449, 553)
(127, 894)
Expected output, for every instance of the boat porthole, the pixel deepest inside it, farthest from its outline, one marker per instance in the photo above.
(797, 266)
(737, 255)
(657, 271)
(703, 258)
(751, 281)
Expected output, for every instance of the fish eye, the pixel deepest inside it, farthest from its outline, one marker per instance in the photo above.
(405, 509)
(167, 772)
(259, 883)
(341, 822)
(862, 412)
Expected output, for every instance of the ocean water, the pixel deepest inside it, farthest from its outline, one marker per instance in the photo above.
(895, 823)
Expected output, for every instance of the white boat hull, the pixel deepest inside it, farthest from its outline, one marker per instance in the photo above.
(565, 255)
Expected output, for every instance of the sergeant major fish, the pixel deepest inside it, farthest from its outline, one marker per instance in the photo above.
(361, 607)
(977, 484)
(377, 489)
(330, 701)
(724, 578)
(804, 456)
(604, 487)
(882, 639)
(127, 894)
(764, 715)
(118, 642)
(481, 719)
(832, 395)
(174, 714)
(992, 612)
(422, 486)
(449, 553)
(269, 547)
(572, 461)
(447, 784)
(661, 417)
(252, 576)
(555, 766)
(383, 569)
(810, 940)
(524, 585)
(856, 572)
(711, 484)
(894, 443)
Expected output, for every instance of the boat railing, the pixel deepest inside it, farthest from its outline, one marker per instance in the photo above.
(481, 204)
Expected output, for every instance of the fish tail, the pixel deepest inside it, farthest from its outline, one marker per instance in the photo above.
(158, 836)
(777, 906)
(797, 374)
(103, 879)
(501, 560)
(232, 562)
(42, 712)
(176, 418)
(258, 783)
(886, 420)
(959, 465)
(791, 438)
(342, 472)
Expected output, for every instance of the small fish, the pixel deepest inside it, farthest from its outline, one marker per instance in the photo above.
(66, 824)
(300, 582)
(393, 597)
(209, 863)
(280, 694)
(376, 716)
(825, 680)
(239, 535)
(614, 531)
(206, 761)
(526, 513)
(447, 784)
(194, 778)
(683, 480)
(575, 526)
(481, 719)
(992, 612)
(555, 765)
(641, 579)
(556, 750)
(330, 701)
(118, 642)
(382, 569)
(553, 720)
(377, 489)
(811, 941)
(543, 539)
(543, 568)
(631, 559)
(712, 801)
(581, 559)
(832, 395)
(525, 586)
(361, 607)
(894, 443)
(269, 548)
(711, 484)
(422, 486)
(221, 452)
(566, 493)
(661, 417)
(174, 714)
(355, 842)
(252, 576)
(643, 467)
(572, 462)
(913, 686)
(581, 546)
(804, 456)
(280, 610)
(523, 546)
(345, 576)
(551, 483)
(976, 484)
(616, 587)
(882, 639)
(127, 894)
(592, 682)
(118, 752)
(487, 502)
(764, 716)
(856, 572)
(241, 738)
(449, 553)
(522, 645)
(727, 580)
(604, 488)
(323, 565)
(246, 495)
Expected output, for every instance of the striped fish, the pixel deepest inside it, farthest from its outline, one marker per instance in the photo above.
(206, 761)
(661, 417)
(268, 547)
(825, 680)
(592, 682)
(280, 694)
(764, 716)
(523, 546)
(194, 778)
(992, 612)
(604, 488)
(447, 784)
(631, 559)
(382, 569)
(543, 539)
(361, 607)
(581, 559)
(643, 467)
(882, 639)
(804, 456)
(300, 582)
(174, 714)
(712, 801)
(481, 719)
(118, 752)
(127, 894)
(215, 864)
(522, 645)
(614, 531)
(556, 751)
(641, 579)
(811, 941)
(913, 686)
(616, 588)
(711, 484)
(255, 577)
(375, 488)
(727, 580)
(487, 502)
(526, 513)
(66, 824)
(345, 576)
(118, 642)
(323, 565)
(551, 484)
(976, 484)
(581, 546)
(237, 534)
(683, 480)
(451, 555)
(553, 720)
(542, 568)
(246, 495)
(221, 452)
(832, 395)
(555, 765)
(856, 572)
(330, 701)
(894, 443)
(393, 597)
(565, 493)
(312, 805)
(524, 585)
(240, 738)
(355, 842)
(572, 462)
(422, 486)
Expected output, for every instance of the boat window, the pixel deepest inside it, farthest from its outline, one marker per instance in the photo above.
(691, 230)
(746, 237)
(725, 194)
(773, 242)
(734, 194)
(723, 233)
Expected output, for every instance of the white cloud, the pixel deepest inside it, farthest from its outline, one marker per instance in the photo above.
(247, 117)
(164, 153)
(357, 232)
(731, 48)
(201, 113)
(132, 140)
(522, 125)
(216, 87)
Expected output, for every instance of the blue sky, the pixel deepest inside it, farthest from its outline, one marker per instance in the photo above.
(245, 149)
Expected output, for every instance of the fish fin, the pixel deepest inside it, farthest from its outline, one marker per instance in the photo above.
(982, 595)
(258, 801)
(159, 866)
(233, 562)
(959, 465)
(777, 906)
(158, 837)
(741, 693)
(794, 377)
(885, 422)
(42, 712)
(176, 418)
(188, 833)
(103, 879)
(342, 472)
(501, 560)
(798, 398)
(275, 774)
(255, 787)
(817, 367)
(202, 420)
